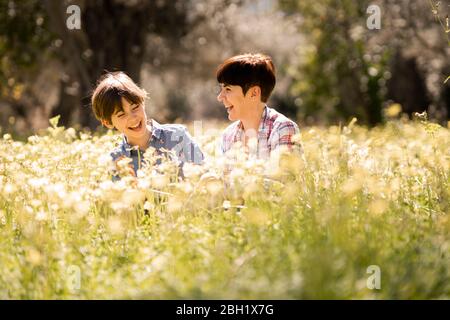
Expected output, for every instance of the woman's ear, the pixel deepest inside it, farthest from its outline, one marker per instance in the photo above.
(107, 124)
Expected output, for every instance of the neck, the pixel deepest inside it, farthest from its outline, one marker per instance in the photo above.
(142, 142)
(252, 121)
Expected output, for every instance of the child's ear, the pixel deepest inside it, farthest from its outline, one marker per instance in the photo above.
(107, 124)
(255, 91)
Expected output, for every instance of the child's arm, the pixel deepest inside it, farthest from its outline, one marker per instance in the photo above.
(192, 151)
(186, 148)
(123, 166)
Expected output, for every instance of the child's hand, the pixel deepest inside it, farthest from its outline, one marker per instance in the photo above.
(124, 166)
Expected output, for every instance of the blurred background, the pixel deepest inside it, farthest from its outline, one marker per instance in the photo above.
(330, 66)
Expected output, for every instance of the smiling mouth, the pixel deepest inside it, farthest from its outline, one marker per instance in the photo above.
(136, 127)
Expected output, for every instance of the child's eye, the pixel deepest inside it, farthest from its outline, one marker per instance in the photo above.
(136, 107)
(120, 115)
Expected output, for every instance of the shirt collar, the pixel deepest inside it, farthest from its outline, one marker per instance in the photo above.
(155, 129)
(264, 117)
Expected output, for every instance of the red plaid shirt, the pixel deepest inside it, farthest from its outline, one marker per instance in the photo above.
(275, 130)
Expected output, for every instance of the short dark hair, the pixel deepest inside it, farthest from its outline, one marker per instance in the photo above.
(248, 70)
(111, 87)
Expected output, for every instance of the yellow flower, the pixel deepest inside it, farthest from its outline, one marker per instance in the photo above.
(351, 186)
(33, 256)
(226, 204)
(378, 206)
(393, 110)
(174, 205)
(115, 225)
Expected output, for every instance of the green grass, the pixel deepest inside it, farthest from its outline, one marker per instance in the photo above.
(310, 231)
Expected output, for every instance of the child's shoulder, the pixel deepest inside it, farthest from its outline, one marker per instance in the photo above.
(171, 134)
(120, 150)
(168, 127)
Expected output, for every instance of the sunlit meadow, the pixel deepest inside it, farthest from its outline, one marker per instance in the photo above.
(307, 230)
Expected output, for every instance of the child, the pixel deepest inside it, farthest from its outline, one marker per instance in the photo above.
(119, 103)
(246, 84)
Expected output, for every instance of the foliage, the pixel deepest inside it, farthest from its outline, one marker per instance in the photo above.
(342, 75)
(445, 27)
(308, 230)
(435, 10)
(23, 38)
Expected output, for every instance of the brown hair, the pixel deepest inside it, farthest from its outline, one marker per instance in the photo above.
(248, 70)
(111, 87)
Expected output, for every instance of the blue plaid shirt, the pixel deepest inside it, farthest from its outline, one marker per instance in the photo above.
(172, 137)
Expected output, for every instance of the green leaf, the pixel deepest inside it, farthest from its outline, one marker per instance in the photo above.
(54, 121)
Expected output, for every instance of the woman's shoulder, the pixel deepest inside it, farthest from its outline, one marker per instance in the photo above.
(232, 128)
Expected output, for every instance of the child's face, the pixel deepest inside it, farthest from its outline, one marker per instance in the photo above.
(131, 121)
(236, 103)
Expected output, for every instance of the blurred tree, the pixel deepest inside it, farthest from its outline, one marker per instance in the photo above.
(413, 30)
(113, 36)
(349, 70)
(341, 69)
(23, 40)
(339, 77)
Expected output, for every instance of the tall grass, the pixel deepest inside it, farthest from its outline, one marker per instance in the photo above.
(309, 230)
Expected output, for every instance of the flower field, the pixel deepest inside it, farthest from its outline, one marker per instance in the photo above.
(308, 230)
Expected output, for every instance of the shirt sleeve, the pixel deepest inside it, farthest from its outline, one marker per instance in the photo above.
(115, 155)
(227, 138)
(222, 143)
(187, 149)
(283, 135)
(192, 150)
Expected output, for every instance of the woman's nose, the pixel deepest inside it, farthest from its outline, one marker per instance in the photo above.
(219, 96)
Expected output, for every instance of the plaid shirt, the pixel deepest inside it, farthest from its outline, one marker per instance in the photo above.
(275, 130)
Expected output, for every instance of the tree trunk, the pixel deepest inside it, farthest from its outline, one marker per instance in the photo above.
(407, 85)
(112, 37)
